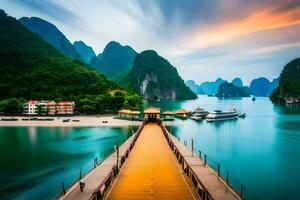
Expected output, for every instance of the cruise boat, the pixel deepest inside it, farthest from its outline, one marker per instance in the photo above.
(199, 114)
(219, 115)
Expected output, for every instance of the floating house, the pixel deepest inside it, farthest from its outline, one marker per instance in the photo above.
(182, 113)
(129, 114)
(168, 116)
(152, 114)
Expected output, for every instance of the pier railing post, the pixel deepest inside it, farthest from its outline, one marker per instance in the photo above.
(227, 174)
(192, 146)
(200, 154)
(204, 159)
(218, 170)
(242, 190)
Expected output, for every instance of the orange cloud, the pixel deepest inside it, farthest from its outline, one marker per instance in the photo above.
(265, 19)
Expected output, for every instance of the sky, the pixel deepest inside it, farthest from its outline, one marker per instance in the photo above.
(203, 39)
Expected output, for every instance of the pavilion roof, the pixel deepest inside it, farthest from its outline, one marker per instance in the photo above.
(152, 110)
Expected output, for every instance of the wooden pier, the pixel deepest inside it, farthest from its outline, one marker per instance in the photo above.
(151, 171)
(152, 164)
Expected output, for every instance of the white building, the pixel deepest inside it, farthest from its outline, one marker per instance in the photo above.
(30, 107)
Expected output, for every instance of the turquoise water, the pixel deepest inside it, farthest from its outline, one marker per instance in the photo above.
(35, 161)
(262, 151)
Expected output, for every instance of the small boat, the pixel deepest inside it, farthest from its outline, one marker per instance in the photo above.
(243, 115)
(253, 98)
(219, 115)
(199, 114)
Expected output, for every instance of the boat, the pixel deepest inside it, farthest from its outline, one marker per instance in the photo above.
(253, 98)
(243, 115)
(219, 115)
(199, 114)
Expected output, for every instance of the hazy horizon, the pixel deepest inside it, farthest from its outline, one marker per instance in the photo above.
(204, 40)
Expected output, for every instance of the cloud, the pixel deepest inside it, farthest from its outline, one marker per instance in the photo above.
(51, 9)
(258, 20)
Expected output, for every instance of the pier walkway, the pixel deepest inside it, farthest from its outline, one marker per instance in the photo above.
(151, 164)
(151, 171)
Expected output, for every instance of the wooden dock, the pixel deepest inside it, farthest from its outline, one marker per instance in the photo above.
(153, 164)
(151, 171)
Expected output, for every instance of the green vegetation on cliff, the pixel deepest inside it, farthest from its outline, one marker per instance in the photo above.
(289, 84)
(32, 69)
(115, 60)
(155, 78)
(230, 90)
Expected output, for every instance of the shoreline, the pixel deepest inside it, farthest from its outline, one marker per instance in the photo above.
(84, 121)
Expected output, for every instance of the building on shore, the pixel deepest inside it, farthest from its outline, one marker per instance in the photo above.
(52, 108)
(65, 107)
(43, 107)
(30, 107)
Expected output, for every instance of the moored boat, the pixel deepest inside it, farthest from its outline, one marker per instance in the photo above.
(219, 115)
(199, 114)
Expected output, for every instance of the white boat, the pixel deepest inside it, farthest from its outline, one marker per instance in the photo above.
(199, 114)
(196, 117)
(219, 115)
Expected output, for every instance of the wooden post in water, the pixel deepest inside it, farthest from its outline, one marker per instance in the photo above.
(63, 188)
(192, 146)
(80, 173)
(204, 159)
(242, 190)
(218, 170)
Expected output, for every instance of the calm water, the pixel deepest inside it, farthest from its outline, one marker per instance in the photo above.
(262, 151)
(35, 161)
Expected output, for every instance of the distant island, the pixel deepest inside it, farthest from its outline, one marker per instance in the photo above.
(288, 90)
(260, 87)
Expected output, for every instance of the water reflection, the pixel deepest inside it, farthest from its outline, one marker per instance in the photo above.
(32, 135)
(36, 160)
